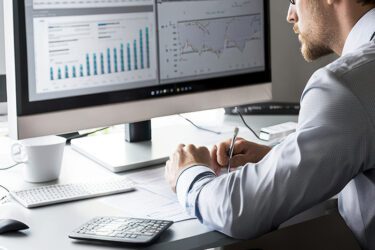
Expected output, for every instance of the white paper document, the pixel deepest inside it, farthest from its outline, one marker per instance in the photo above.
(153, 198)
(145, 204)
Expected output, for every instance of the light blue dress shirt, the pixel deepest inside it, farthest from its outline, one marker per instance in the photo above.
(332, 151)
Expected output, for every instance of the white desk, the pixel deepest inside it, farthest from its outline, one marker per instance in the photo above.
(49, 226)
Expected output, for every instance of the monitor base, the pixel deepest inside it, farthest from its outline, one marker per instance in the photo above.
(114, 153)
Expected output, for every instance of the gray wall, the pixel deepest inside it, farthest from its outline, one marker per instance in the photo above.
(290, 72)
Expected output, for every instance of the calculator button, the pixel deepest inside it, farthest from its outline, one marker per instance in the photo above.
(121, 229)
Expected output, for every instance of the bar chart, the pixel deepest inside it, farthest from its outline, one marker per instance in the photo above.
(98, 50)
(59, 4)
(95, 64)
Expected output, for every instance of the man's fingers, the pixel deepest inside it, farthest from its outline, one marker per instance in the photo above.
(241, 146)
(214, 163)
(222, 154)
(223, 149)
(203, 150)
(190, 147)
(239, 160)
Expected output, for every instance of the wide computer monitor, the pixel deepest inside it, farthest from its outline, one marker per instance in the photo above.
(76, 64)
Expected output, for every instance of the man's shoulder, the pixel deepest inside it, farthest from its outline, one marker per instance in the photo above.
(353, 61)
(343, 71)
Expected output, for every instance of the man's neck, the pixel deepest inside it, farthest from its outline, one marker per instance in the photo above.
(349, 15)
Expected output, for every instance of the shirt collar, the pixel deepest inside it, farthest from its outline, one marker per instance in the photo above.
(361, 33)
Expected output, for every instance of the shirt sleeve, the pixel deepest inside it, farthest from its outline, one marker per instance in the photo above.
(328, 149)
(189, 177)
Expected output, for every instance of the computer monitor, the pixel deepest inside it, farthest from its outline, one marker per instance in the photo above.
(75, 64)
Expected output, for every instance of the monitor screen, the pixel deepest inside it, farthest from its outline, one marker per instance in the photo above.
(83, 53)
(77, 54)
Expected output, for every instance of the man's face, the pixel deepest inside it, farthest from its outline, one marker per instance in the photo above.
(310, 19)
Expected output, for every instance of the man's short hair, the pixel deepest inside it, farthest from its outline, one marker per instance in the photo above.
(364, 2)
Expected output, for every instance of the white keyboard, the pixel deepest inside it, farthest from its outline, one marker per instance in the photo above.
(53, 194)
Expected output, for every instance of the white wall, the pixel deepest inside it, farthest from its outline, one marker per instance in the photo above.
(290, 72)
(2, 53)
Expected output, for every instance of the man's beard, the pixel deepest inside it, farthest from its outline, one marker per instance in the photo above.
(311, 50)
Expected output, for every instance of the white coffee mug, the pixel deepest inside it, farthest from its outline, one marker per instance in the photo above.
(42, 156)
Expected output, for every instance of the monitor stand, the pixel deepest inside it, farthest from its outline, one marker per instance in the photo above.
(138, 131)
(117, 154)
(3, 109)
(3, 98)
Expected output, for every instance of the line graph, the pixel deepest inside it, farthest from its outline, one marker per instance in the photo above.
(205, 39)
(215, 35)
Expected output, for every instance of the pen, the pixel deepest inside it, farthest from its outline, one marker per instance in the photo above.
(231, 147)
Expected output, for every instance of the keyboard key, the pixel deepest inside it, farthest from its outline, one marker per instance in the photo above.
(53, 194)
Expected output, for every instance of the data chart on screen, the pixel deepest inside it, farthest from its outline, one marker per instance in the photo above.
(203, 39)
(59, 4)
(93, 50)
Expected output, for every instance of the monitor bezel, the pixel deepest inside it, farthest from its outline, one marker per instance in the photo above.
(27, 107)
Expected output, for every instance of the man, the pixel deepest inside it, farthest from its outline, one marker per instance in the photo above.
(332, 151)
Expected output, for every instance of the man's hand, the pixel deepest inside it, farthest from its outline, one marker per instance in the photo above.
(184, 157)
(244, 152)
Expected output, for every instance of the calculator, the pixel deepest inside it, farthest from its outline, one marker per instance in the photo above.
(121, 230)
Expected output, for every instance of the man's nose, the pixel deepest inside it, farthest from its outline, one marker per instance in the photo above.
(292, 14)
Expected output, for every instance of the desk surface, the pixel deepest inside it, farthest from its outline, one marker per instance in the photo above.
(49, 226)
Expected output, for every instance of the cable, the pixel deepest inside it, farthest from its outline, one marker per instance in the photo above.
(4, 188)
(5, 196)
(84, 135)
(12, 166)
(199, 127)
(244, 122)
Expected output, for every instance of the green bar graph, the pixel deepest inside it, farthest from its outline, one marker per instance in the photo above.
(126, 56)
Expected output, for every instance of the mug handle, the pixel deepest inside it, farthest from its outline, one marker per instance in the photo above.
(18, 153)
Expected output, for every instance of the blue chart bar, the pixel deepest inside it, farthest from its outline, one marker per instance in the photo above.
(147, 49)
(66, 72)
(122, 58)
(109, 61)
(102, 63)
(74, 73)
(95, 65)
(81, 70)
(88, 64)
(127, 56)
(59, 74)
(135, 55)
(115, 59)
(141, 48)
(51, 74)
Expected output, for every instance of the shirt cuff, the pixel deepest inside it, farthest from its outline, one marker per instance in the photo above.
(185, 180)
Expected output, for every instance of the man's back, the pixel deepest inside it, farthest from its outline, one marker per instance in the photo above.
(331, 152)
(356, 201)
